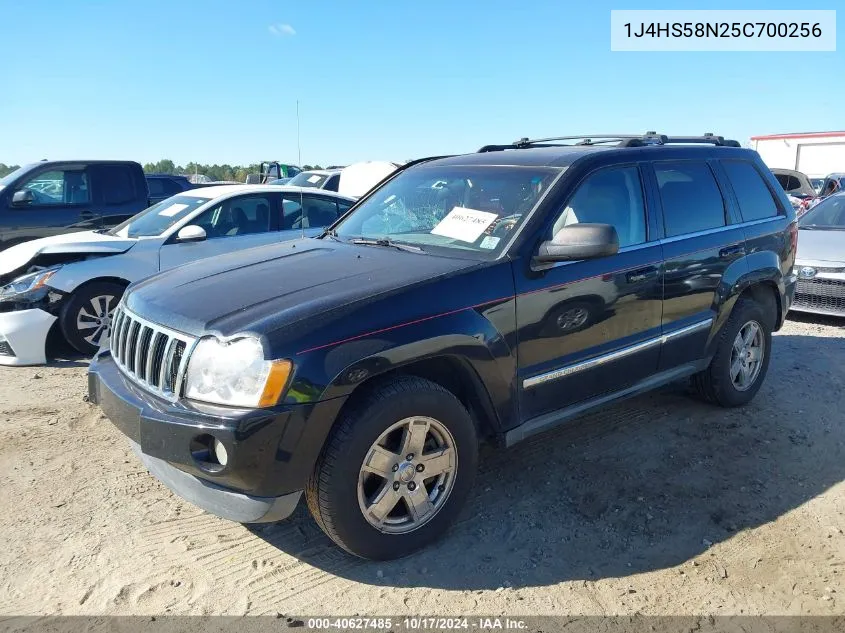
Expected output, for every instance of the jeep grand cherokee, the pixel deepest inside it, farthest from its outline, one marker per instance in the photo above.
(491, 295)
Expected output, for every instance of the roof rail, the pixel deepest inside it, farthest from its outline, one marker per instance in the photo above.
(622, 140)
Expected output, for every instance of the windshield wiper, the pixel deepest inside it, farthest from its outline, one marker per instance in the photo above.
(102, 231)
(384, 241)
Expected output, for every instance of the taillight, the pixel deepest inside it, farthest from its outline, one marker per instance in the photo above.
(793, 237)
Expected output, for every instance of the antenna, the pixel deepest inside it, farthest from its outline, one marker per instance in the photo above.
(299, 161)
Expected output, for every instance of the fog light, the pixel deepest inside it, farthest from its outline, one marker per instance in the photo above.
(220, 452)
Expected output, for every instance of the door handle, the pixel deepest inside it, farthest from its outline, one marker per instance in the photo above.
(730, 251)
(86, 215)
(643, 274)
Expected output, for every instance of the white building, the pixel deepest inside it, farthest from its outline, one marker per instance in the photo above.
(816, 154)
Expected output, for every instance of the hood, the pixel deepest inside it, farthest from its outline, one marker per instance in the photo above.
(262, 289)
(818, 245)
(359, 178)
(83, 242)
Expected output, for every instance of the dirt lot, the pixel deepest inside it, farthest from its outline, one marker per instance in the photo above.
(660, 505)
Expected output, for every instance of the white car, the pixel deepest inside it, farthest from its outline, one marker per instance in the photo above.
(71, 283)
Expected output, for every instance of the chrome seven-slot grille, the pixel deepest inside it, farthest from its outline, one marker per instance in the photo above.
(151, 355)
(827, 295)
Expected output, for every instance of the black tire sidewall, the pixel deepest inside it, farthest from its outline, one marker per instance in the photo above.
(728, 393)
(79, 298)
(347, 520)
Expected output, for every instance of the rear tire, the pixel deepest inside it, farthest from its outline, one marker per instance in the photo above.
(395, 470)
(741, 362)
(85, 319)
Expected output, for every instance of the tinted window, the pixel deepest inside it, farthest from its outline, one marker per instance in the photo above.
(331, 183)
(755, 199)
(171, 186)
(610, 196)
(237, 216)
(155, 186)
(115, 184)
(319, 212)
(691, 198)
(58, 186)
(343, 206)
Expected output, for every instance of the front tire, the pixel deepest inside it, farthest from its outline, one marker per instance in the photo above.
(85, 319)
(395, 471)
(741, 362)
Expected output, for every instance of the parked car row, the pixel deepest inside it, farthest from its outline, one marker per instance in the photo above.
(74, 281)
(803, 192)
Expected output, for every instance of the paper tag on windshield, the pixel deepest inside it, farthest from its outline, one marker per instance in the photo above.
(314, 178)
(464, 224)
(172, 210)
(490, 242)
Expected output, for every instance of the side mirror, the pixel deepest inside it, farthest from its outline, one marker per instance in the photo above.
(22, 198)
(191, 233)
(579, 241)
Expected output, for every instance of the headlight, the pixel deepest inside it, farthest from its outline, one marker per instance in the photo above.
(234, 373)
(28, 283)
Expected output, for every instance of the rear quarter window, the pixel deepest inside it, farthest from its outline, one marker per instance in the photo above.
(691, 198)
(754, 197)
(116, 183)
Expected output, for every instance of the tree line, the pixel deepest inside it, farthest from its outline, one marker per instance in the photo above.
(7, 169)
(237, 173)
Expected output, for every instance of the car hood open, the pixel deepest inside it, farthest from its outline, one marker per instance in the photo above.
(818, 245)
(81, 243)
(262, 289)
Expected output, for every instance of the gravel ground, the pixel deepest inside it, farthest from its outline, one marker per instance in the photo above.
(660, 505)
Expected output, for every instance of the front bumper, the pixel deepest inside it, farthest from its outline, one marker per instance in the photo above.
(23, 336)
(271, 452)
(823, 293)
(228, 504)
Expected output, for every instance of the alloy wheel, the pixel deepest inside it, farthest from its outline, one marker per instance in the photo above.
(407, 475)
(747, 355)
(94, 320)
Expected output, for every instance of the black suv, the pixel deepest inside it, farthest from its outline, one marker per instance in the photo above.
(162, 186)
(55, 197)
(492, 295)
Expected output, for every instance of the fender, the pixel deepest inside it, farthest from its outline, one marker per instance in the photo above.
(761, 267)
(469, 334)
(136, 263)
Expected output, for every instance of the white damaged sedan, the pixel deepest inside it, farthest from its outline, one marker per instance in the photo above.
(70, 284)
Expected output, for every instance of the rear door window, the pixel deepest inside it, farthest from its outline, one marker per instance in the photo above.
(691, 197)
(243, 215)
(754, 197)
(115, 183)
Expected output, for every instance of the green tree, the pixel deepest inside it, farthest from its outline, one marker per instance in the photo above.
(7, 169)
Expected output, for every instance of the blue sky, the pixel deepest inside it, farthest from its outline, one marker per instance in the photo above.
(217, 81)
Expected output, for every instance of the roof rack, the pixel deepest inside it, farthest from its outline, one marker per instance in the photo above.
(621, 140)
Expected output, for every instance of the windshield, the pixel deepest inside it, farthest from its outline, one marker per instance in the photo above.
(469, 209)
(827, 214)
(158, 218)
(9, 178)
(308, 179)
